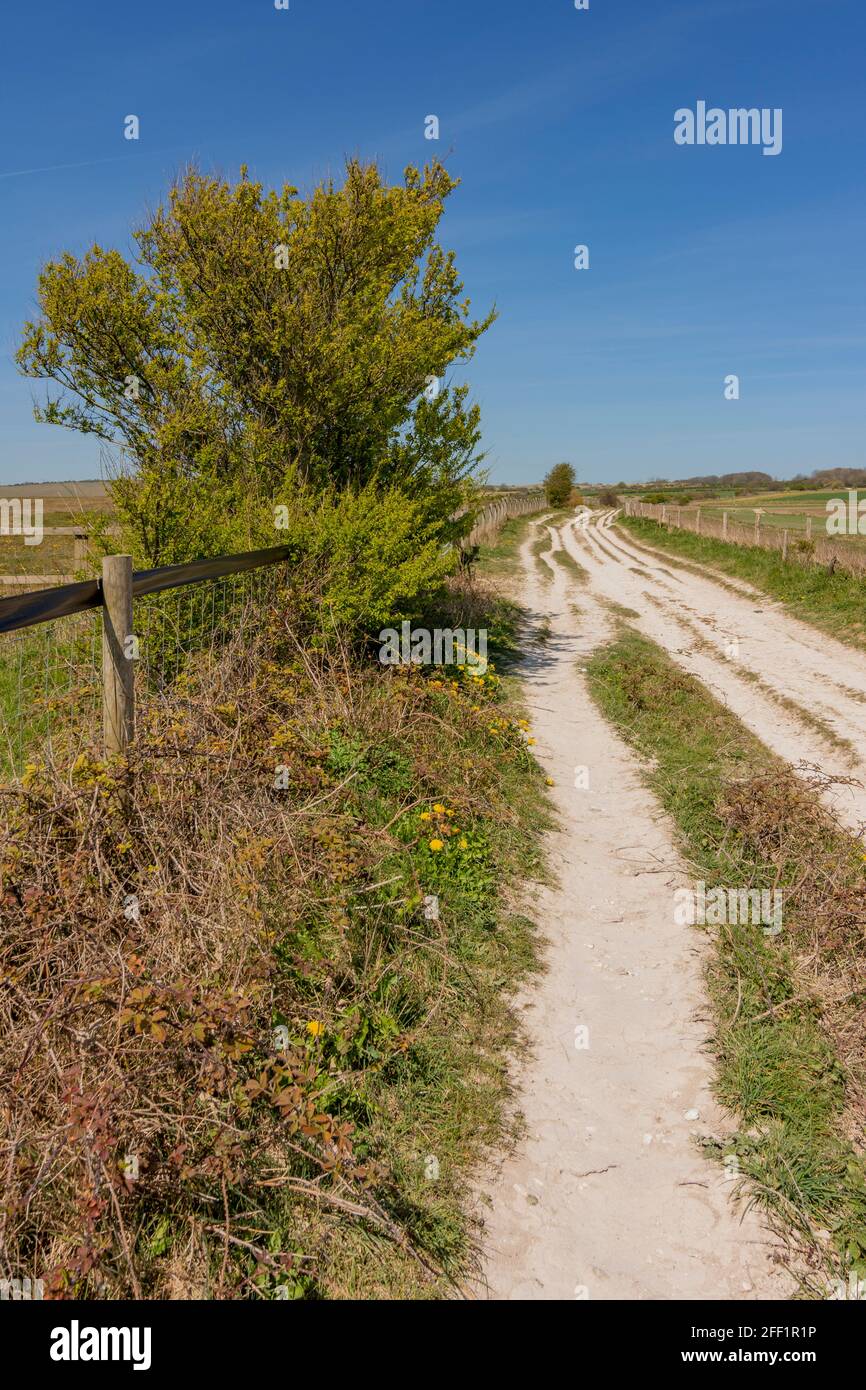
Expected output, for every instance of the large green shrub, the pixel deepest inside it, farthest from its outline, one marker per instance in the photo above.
(262, 342)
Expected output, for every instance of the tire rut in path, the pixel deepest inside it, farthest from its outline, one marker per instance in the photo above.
(785, 681)
(606, 1196)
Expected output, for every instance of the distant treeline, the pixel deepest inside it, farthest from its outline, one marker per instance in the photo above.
(756, 481)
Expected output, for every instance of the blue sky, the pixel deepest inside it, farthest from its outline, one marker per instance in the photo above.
(703, 261)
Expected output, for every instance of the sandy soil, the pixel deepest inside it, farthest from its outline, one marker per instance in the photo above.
(607, 1196)
(800, 691)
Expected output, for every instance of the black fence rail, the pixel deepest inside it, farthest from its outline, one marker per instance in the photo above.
(44, 605)
(66, 649)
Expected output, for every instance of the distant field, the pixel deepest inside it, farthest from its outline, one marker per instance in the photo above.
(64, 504)
(91, 493)
(787, 510)
(791, 501)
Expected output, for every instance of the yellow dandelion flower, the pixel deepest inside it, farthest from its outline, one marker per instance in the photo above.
(439, 809)
(315, 1027)
(425, 815)
(464, 843)
(436, 845)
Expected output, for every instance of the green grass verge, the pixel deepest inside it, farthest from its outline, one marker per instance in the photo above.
(836, 603)
(426, 1108)
(744, 821)
(500, 558)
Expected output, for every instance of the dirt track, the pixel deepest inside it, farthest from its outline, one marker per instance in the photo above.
(607, 1195)
(801, 692)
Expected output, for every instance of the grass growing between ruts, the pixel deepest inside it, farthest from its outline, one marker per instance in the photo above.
(572, 566)
(789, 1009)
(836, 602)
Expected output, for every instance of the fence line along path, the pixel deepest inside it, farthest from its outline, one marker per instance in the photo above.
(801, 547)
(491, 517)
(114, 597)
(37, 678)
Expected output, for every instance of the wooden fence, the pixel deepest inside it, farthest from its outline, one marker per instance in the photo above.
(810, 547)
(491, 518)
(114, 594)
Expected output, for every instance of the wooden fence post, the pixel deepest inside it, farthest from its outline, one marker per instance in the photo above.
(757, 526)
(118, 674)
(808, 528)
(784, 546)
(698, 522)
(724, 526)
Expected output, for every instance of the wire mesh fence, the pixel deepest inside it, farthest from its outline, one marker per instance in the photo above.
(179, 625)
(51, 673)
(794, 545)
(49, 687)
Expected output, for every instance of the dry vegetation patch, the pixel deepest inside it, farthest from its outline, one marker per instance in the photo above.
(242, 1055)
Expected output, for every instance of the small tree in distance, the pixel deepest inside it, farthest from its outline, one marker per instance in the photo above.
(558, 484)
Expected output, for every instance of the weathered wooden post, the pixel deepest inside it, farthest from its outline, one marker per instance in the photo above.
(118, 673)
(784, 546)
(698, 522)
(759, 512)
(724, 526)
(808, 528)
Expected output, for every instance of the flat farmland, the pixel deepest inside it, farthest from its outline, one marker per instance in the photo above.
(70, 504)
(786, 510)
